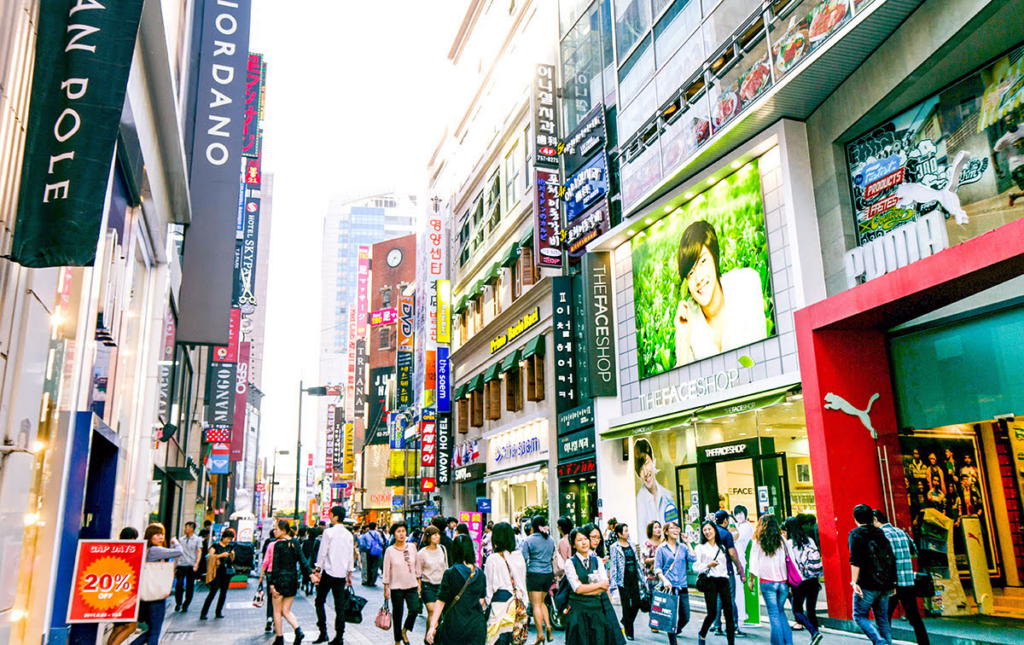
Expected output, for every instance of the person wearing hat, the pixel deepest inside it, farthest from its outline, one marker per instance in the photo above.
(733, 563)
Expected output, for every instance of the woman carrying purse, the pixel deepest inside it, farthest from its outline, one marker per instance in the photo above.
(283, 558)
(505, 571)
(156, 583)
(670, 560)
(768, 554)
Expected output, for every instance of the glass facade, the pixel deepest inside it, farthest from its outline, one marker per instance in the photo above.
(588, 64)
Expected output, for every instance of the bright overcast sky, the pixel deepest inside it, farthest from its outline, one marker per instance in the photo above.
(355, 101)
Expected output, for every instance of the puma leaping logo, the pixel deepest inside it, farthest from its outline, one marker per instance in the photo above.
(836, 402)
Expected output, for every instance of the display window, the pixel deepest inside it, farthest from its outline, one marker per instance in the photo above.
(519, 496)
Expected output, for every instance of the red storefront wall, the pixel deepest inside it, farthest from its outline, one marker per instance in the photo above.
(842, 351)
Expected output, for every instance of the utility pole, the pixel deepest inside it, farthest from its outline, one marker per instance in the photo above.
(298, 456)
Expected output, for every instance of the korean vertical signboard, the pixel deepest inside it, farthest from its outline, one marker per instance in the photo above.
(561, 318)
(445, 448)
(329, 439)
(362, 294)
(350, 391)
(253, 96)
(444, 311)
(600, 327)
(241, 395)
(547, 227)
(404, 355)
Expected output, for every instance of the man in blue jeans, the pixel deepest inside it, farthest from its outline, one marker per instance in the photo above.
(873, 571)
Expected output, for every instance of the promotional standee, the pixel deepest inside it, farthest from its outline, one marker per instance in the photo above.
(106, 581)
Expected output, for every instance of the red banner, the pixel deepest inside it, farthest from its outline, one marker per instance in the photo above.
(106, 582)
(229, 354)
(238, 429)
(428, 447)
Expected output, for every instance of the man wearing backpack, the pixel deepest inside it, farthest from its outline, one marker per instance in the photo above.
(374, 552)
(904, 549)
(873, 570)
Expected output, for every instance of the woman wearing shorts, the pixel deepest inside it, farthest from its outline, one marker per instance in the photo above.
(539, 552)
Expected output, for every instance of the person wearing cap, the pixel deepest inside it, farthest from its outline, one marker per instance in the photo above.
(733, 563)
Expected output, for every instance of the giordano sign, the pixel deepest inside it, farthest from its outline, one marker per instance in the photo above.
(516, 330)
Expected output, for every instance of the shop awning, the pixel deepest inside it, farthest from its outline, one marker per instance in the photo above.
(460, 306)
(512, 256)
(494, 274)
(514, 472)
(512, 361)
(535, 346)
(477, 383)
(460, 393)
(527, 238)
(744, 404)
(492, 373)
(478, 290)
(650, 425)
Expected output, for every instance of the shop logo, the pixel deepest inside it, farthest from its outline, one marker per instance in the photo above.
(836, 402)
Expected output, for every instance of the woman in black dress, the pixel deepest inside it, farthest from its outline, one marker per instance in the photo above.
(590, 619)
(460, 603)
(286, 559)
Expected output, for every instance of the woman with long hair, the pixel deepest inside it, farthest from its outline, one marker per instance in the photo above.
(402, 572)
(281, 566)
(768, 563)
(539, 552)
(433, 563)
(807, 556)
(587, 619)
(624, 575)
(120, 632)
(460, 602)
(648, 553)
(506, 577)
(152, 612)
(670, 568)
(712, 561)
(219, 572)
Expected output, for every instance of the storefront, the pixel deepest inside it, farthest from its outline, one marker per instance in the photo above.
(469, 479)
(517, 471)
(577, 465)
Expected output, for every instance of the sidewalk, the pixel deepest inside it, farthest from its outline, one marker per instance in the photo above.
(243, 625)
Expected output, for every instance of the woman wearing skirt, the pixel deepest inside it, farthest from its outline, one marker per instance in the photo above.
(590, 619)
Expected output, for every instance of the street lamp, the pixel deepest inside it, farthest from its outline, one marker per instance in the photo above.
(312, 391)
(273, 480)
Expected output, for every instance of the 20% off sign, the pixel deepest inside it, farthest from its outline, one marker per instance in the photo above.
(106, 587)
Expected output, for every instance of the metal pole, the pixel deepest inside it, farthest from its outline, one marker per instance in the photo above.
(298, 456)
(273, 485)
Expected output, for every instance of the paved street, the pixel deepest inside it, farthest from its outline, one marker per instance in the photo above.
(244, 625)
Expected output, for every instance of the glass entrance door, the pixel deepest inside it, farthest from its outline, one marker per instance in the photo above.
(771, 480)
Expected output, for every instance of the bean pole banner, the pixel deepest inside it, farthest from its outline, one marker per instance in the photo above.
(78, 87)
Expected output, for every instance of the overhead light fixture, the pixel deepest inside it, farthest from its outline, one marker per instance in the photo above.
(688, 195)
(668, 208)
(630, 233)
(711, 180)
(648, 221)
(735, 164)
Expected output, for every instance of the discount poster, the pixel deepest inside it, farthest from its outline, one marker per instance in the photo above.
(106, 582)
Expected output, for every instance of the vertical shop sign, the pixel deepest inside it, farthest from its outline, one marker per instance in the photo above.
(547, 229)
(216, 153)
(329, 442)
(338, 442)
(241, 394)
(579, 328)
(444, 311)
(600, 328)
(362, 293)
(229, 353)
(245, 272)
(565, 373)
(428, 439)
(437, 267)
(349, 462)
(222, 395)
(166, 367)
(75, 111)
(545, 122)
(254, 167)
(350, 391)
(444, 400)
(251, 116)
(361, 359)
(376, 405)
(396, 431)
(404, 355)
(445, 446)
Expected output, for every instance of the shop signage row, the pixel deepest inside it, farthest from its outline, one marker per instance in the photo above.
(383, 316)
(565, 362)
(515, 331)
(577, 418)
(687, 390)
(586, 466)
(576, 444)
(727, 451)
(896, 248)
(600, 328)
(519, 447)
(587, 139)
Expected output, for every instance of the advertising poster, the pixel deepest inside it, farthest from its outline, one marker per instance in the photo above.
(476, 527)
(707, 260)
(655, 457)
(106, 581)
(444, 311)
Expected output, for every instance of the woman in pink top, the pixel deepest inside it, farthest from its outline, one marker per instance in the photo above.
(402, 580)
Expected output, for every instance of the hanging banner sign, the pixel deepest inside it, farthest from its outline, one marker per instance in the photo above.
(376, 405)
(329, 440)
(600, 323)
(229, 353)
(223, 377)
(444, 381)
(383, 317)
(444, 311)
(245, 269)
(404, 357)
(220, 458)
(105, 586)
(545, 119)
(349, 457)
(565, 369)
(585, 187)
(253, 94)
(547, 225)
(396, 431)
(361, 361)
(362, 293)
(241, 395)
(78, 89)
(586, 229)
(338, 441)
(405, 331)
(445, 448)
(428, 439)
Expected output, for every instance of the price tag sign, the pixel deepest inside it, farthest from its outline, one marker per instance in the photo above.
(106, 582)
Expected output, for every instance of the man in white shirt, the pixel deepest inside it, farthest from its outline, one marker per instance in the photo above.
(187, 567)
(334, 563)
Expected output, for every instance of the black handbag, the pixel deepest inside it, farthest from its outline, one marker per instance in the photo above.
(645, 597)
(924, 585)
(354, 608)
(703, 582)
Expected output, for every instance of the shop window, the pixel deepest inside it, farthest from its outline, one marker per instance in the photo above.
(523, 273)
(386, 297)
(385, 338)
(476, 408)
(463, 409)
(514, 390)
(535, 378)
(493, 391)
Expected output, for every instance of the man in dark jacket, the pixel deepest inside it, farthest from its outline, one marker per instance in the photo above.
(873, 571)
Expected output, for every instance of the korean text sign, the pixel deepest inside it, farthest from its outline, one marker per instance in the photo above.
(106, 581)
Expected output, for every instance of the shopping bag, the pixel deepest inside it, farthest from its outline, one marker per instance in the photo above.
(664, 611)
(260, 598)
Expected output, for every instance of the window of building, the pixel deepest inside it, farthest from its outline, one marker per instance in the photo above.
(632, 20)
(496, 293)
(386, 297)
(463, 323)
(535, 378)
(512, 169)
(463, 408)
(528, 149)
(523, 274)
(494, 200)
(514, 389)
(476, 408)
(478, 314)
(385, 338)
(492, 389)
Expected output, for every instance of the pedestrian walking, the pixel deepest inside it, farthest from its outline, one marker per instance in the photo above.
(363, 542)
(597, 543)
(153, 610)
(433, 563)
(712, 561)
(743, 537)
(402, 574)
(590, 618)
(374, 553)
(564, 548)
(452, 524)
(334, 563)
(669, 567)
(735, 567)
(648, 554)
(459, 615)
(625, 576)
(539, 553)
(506, 588)
(282, 567)
(873, 571)
(120, 632)
(904, 550)
(270, 605)
(486, 546)
(441, 525)
(806, 556)
(609, 536)
(187, 567)
(218, 572)
(768, 553)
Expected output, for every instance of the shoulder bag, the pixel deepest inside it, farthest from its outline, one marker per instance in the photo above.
(157, 580)
(793, 576)
(516, 610)
(702, 584)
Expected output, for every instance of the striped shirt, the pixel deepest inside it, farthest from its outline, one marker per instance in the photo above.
(904, 550)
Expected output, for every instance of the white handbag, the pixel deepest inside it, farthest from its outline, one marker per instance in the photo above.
(157, 580)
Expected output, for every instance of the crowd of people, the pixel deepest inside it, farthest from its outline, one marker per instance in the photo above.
(517, 575)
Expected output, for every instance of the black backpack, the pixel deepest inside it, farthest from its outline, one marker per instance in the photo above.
(882, 568)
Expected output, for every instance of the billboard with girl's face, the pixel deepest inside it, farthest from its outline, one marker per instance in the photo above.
(701, 278)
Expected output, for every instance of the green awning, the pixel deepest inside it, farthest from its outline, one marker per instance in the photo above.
(494, 274)
(492, 373)
(512, 361)
(460, 393)
(477, 383)
(535, 346)
(745, 404)
(665, 422)
(527, 239)
(460, 306)
(512, 256)
(478, 290)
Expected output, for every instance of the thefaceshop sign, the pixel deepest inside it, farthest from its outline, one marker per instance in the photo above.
(524, 445)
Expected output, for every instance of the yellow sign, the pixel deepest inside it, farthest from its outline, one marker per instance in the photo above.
(444, 311)
(516, 330)
(350, 459)
(412, 461)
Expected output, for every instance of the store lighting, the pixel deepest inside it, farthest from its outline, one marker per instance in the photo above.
(17, 615)
(711, 180)
(31, 519)
(735, 164)
(37, 446)
(668, 208)
(630, 233)
(688, 195)
(648, 221)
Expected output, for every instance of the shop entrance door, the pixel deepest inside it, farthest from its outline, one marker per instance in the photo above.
(771, 479)
(760, 483)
